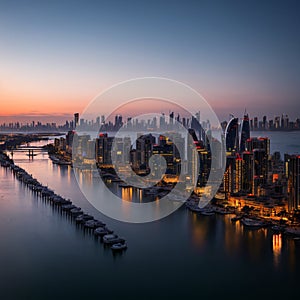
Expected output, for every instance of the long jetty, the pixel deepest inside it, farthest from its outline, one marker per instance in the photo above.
(86, 221)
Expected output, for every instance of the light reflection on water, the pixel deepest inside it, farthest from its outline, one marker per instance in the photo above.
(233, 233)
(202, 248)
(277, 246)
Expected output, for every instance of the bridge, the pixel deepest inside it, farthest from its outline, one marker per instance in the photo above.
(31, 150)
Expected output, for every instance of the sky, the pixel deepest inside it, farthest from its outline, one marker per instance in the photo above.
(56, 56)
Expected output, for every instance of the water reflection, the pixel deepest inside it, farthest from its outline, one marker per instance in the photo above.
(199, 232)
(292, 255)
(217, 232)
(277, 246)
(127, 194)
(233, 232)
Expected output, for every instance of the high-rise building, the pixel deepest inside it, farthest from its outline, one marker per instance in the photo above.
(247, 172)
(232, 135)
(162, 121)
(198, 128)
(245, 132)
(265, 122)
(258, 143)
(167, 152)
(90, 149)
(255, 125)
(260, 169)
(199, 159)
(232, 180)
(76, 119)
(144, 148)
(277, 122)
(293, 174)
(69, 140)
(229, 178)
(103, 150)
(171, 118)
(121, 150)
(260, 147)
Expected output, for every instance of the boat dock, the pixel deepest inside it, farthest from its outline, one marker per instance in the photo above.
(248, 221)
(82, 219)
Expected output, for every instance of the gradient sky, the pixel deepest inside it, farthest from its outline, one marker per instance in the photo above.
(56, 56)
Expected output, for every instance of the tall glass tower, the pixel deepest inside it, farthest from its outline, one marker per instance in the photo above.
(232, 135)
(245, 132)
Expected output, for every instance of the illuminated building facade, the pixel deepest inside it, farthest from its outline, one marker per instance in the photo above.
(245, 132)
(293, 175)
(103, 150)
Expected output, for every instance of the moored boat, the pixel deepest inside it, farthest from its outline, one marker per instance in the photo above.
(76, 211)
(101, 231)
(111, 239)
(254, 224)
(119, 247)
(277, 229)
(68, 207)
(293, 231)
(221, 210)
(83, 218)
(236, 218)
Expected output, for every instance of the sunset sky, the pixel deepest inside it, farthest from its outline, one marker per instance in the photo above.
(56, 56)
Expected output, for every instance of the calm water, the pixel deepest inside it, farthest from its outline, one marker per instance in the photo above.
(284, 142)
(43, 255)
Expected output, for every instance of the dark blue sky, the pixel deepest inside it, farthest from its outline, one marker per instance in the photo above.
(237, 54)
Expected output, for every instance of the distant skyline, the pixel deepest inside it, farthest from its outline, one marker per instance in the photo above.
(56, 56)
(61, 119)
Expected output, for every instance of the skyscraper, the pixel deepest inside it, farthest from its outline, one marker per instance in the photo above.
(232, 180)
(247, 172)
(293, 173)
(76, 119)
(103, 150)
(245, 132)
(258, 143)
(232, 135)
(260, 169)
(144, 148)
(171, 118)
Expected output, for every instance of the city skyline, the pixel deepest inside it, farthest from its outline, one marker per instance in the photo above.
(115, 121)
(235, 55)
(143, 140)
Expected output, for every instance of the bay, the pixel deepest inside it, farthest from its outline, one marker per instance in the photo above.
(44, 255)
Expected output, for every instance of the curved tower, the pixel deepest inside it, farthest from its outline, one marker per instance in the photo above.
(232, 135)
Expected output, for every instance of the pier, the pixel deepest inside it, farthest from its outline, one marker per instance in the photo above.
(86, 221)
